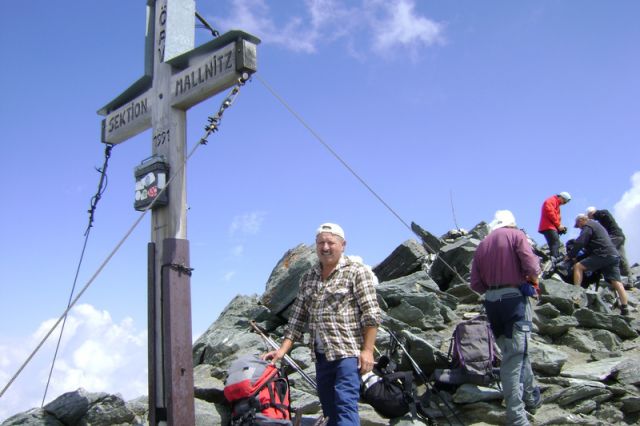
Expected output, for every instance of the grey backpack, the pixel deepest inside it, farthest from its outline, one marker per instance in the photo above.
(473, 355)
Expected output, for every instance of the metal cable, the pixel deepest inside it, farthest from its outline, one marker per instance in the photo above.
(209, 129)
(360, 179)
(205, 24)
(331, 150)
(453, 210)
(102, 186)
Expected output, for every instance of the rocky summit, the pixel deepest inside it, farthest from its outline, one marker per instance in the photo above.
(586, 357)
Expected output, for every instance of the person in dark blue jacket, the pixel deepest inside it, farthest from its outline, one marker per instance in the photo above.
(601, 256)
(606, 219)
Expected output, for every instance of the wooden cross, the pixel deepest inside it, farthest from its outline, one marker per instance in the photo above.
(177, 76)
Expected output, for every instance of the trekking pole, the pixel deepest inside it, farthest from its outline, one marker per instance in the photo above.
(423, 376)
(322, 421)
(287, 358)
(297, 421)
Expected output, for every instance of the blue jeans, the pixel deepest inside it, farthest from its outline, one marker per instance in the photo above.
(339, 389)
(518, 383)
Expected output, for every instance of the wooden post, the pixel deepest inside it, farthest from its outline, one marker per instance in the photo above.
(176, 77)
(174, 34)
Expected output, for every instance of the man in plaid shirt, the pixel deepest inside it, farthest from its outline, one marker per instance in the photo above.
(337, 299)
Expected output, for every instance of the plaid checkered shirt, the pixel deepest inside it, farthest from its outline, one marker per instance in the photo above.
(336, 310)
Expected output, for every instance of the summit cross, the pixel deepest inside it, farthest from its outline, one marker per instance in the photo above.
(176, 77)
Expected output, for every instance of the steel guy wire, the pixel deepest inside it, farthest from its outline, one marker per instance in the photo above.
(350, 169)
(209, 129)
(205, 24)
(331, 150)
(102, 186)
(453, 210)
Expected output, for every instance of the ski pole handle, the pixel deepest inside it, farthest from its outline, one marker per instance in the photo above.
(286, 357)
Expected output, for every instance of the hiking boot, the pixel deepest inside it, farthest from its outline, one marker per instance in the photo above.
(531, 408)
(624, 310)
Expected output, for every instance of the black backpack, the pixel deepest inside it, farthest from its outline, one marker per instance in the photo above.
(392, 393)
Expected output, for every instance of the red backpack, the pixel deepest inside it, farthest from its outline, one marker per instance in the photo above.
(258, 393)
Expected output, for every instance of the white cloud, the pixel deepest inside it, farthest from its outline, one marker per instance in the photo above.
(322, 11)
(382, 25)
(96, 353)
(229, 275)
(254, 17)
(627, 213)
(401, 26)
(332, 20)
(248, 224)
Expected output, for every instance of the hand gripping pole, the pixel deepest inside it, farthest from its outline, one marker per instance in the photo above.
(287, 358)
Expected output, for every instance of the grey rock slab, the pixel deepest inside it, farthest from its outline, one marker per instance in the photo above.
(468, 393)
(596, 371)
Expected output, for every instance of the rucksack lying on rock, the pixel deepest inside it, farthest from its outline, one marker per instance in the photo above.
(391, 393)
(473, 355)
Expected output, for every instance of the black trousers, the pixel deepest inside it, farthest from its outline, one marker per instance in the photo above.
(553, 241)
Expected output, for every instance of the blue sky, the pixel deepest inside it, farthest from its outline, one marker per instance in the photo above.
(448, 110)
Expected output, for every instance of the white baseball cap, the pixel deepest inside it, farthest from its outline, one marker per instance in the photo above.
(331, 228)
(565, 195)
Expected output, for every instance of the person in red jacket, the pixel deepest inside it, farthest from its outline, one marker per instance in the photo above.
(551, 222)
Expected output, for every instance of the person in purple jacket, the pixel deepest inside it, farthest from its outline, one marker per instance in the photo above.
(505, 269)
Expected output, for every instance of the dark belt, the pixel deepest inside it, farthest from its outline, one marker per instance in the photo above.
(497, 286)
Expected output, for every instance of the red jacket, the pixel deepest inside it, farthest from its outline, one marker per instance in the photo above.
(550, 215)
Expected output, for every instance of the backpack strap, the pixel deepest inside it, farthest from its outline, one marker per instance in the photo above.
(252, 405)
(457, 359)
(450, 351)
(284, 408)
